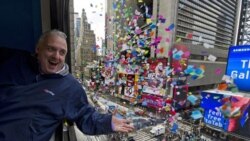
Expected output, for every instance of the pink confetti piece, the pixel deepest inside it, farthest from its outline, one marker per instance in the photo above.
(218, 71)
(167, 40)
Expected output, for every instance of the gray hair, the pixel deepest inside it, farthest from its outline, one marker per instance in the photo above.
(53, 32)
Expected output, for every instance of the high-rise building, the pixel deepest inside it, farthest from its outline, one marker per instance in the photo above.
(86, 50)
(208, 29)
(71, 36)
(244, 23)
(77, 24)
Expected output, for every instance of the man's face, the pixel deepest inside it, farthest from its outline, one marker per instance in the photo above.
(51, 54)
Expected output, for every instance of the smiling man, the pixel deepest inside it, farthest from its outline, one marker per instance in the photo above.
(51, 52)
(37, 93)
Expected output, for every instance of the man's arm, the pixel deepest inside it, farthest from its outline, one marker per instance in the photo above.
(87, 119)
(91, 122)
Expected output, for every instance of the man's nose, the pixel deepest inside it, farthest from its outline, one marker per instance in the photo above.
(56, 55)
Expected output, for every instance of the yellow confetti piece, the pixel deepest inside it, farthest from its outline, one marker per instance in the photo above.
(138, 50)
(182, 62)
(136, 78)
(167, 108)
(178, 40)
(149, 21)
(162, 91)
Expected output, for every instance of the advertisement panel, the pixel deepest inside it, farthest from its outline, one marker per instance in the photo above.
(152, 101)
(212, 115)
(155, 82)
(228, 112)
(238, 66)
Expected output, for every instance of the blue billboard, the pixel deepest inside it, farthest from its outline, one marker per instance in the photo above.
(228, 112)
(212, 116)
(238, 66)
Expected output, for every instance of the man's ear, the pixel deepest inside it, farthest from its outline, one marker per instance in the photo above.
(37, 49)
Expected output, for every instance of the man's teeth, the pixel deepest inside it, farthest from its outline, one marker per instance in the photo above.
(52, 63)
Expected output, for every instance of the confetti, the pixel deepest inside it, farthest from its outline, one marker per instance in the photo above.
(218, 71)
(171, 27)
(212, 58)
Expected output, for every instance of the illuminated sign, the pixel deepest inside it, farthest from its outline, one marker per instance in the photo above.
(212, 116)
(238, 66)
(228, 112)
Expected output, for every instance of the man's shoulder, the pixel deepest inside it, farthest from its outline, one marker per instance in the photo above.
(72, 80)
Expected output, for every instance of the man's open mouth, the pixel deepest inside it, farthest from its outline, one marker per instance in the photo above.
(53, 63)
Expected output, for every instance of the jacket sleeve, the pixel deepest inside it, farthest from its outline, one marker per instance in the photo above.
(87, 119)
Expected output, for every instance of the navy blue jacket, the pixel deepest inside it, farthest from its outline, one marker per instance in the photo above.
(33, 105)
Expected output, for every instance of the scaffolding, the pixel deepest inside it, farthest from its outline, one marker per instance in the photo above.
(244, 24)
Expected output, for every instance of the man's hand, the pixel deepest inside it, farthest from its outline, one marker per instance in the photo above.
(121, 125)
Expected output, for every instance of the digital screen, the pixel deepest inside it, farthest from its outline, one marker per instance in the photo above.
(230, 113)
(238, 66)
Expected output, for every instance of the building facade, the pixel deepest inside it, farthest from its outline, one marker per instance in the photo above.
(212, 26)
(72, 36)
(86, 48)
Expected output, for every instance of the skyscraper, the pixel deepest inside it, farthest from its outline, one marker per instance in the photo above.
(208, 29)
(86, 50)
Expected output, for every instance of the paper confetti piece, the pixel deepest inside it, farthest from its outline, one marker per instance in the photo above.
(192, 99)
(227, 78)
(196, 114)
(152, 33)
(157, 51)
(138, 31)
(177, 55)
(152, 26)
(212, 58)
(222, 86)
(168, 70)
(186, 54)
(218, 71)
(206, 45)
(171, 27)
(137, 12)
(140, 1)
(234, 90)
(178, 40)
(189, 35)
(148, 21)
(202, 67)
(162, 20)
(161, 50)
(114, 5)
(167, 40)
